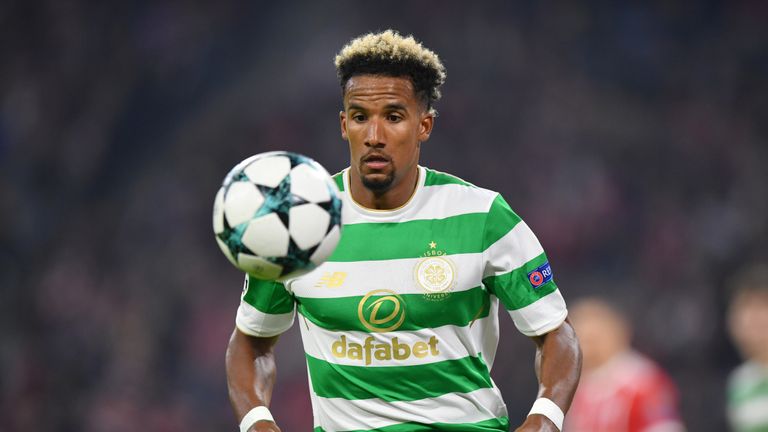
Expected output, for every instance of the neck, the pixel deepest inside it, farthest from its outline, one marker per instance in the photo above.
(761, 359)
(394, 197)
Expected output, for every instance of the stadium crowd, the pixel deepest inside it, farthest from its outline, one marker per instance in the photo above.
(631, 137)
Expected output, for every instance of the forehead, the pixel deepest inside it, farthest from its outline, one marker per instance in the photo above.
(594, 312)
(751, 299)
(374, 88)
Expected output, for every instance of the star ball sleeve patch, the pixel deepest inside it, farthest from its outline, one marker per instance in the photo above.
(540, 276)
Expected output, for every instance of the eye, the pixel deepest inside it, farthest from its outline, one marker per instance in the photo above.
(394, 117)
(358, 117)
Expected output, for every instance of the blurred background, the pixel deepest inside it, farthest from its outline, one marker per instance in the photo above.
(631, 136)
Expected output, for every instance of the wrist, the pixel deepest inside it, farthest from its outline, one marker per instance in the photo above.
(547, 408)
(257, 414)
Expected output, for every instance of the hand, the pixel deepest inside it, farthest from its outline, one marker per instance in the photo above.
(264, 426)
(537, 423)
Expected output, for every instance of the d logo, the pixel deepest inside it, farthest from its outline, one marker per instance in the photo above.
(381, 311)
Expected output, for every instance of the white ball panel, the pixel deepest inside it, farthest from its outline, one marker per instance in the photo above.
(258, 267)
(266, 236)
(226, 251)
(242, 201)
(268, 171)
(308, 225)
(326, 248)
(218, 212)
(310, 183)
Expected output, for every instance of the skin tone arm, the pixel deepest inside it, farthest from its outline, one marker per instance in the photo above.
(250, 364)
(558, 366)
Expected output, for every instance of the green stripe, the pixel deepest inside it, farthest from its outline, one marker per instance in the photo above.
(383, 241)
(515, 290)
(268, 296)
(501, 219)
(339, 179)
(458, 308)
(744, 390)
(436, 178)
(398, 383)
(491, 425)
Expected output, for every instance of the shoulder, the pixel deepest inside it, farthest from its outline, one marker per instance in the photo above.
(338, 178)
(444, 183)
(648, 375)
(748, 372)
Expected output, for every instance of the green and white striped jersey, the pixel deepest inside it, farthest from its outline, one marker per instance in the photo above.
(400, 325)
(748, 398)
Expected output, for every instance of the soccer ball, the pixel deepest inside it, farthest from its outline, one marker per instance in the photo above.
(277, 215)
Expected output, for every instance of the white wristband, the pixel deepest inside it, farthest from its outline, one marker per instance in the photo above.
(257, 414)
(550, 410)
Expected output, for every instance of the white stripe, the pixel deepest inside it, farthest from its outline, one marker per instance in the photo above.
(667, 426)
(541, 316)
(336, 414)
(254, 322)
(512, 251)
(362, 277)
(452, 343)
(430, 202)
(751, 413)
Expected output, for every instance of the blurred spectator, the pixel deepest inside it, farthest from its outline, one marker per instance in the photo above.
(748, 324)
(631, 135)
(621, 390)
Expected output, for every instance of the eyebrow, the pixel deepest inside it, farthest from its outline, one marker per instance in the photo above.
(396, 106)
(392, 106)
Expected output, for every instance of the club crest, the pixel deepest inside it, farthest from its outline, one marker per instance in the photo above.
(435, 273)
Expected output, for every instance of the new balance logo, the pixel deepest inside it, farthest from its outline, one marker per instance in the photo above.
(331, 280)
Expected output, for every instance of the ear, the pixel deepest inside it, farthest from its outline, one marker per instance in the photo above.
(425, 126)
(343, 121)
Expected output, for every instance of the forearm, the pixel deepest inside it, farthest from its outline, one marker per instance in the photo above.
(558, 365)
(250, 365)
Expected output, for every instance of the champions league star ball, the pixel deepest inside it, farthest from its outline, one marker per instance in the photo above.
(277, 215)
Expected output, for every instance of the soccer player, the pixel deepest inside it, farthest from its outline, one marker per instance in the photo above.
(748, 322)
(400, 326)
(621, 390)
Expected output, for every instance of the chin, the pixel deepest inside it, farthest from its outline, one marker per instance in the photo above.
(377, 182)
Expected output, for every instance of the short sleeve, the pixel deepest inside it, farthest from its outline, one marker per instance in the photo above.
(266, 308)
(517, 271)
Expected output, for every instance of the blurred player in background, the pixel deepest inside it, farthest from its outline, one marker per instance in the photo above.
(748, 325)
(400, 326)
(620, 390)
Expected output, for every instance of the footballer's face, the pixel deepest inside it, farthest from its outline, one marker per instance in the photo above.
(384, 122)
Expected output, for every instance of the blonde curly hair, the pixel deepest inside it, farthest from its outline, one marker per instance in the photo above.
(390, 54)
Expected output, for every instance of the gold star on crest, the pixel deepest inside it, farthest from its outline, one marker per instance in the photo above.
(432, 245)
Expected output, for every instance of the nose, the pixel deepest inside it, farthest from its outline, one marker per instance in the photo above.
(374, 134)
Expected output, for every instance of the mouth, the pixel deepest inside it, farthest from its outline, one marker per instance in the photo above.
(375, 161)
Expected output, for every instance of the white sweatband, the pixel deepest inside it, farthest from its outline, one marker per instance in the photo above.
(257, 414)
(550, 410)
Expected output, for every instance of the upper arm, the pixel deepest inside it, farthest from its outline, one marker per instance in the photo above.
(517, 271)
(266, 308)
(257, 344)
